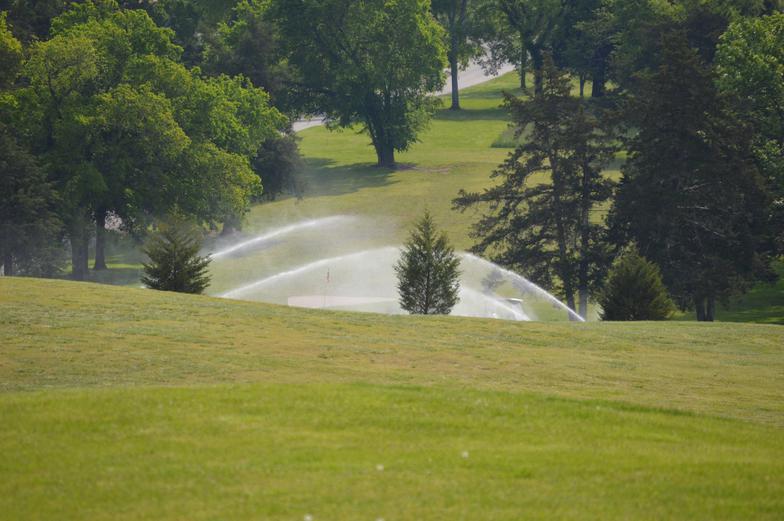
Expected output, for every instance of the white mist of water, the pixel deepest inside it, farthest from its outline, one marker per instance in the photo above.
(278, 232)
(493, 307)
(366, 281)
(310, 267)
(522, 283)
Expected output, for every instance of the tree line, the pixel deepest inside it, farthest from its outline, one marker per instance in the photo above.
(127, 111)
(687, 98)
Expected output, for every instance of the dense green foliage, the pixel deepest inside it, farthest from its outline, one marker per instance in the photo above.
(750, 69)
(544, 230)
(690, 196)
(174, 262)
(29, 228)
(371, 63)
(634, 290)
(428, 271)
(10, 54)
(135, 109)
(127, 131)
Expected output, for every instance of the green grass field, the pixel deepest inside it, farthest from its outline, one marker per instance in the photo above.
(119, 403)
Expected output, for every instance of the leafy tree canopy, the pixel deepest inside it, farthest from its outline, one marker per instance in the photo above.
(372, 63)
(750, 69)
(126, 128)
(10, 54)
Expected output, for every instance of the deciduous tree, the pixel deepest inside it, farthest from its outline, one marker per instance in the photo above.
(372, 63)
(128, 130)
(750, 70)
(458, 17)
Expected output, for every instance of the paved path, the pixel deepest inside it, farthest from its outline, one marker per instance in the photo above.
(473, 75)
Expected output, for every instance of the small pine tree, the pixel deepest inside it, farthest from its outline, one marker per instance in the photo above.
(635, 291)
(428, 271)
(174, 261)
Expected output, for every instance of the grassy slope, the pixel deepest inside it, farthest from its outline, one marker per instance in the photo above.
(128, 404)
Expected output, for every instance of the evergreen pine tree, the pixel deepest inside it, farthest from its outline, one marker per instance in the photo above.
(174, 261)
(542, 229)
(428, 271)
(691, 196)
(635, 291)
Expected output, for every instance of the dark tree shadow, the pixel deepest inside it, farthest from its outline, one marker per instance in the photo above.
(492, 94)
(496, 114)
(322, 178)
(115, 276)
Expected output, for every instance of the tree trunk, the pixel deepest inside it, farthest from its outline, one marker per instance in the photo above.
(453, 67)
(100, 239)
(710, 310)
(582, 85)
(564, 271)
(228, 229)
(386, 155)
(538, 62)
(8, 264)
(699, 306)
(79, 244)
(523, 69)
(230, 226)
(599, 79)
(585, 237)
(583, 311)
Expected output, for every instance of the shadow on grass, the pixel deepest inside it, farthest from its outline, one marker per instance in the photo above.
(496, 114)
(323, 178)
(115, 276)
(495, 94)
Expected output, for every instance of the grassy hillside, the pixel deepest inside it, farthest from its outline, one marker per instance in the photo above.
(126, 404)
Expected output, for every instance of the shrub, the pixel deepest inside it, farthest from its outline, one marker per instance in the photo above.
(174, 261)
(428, 274)
(635, 291)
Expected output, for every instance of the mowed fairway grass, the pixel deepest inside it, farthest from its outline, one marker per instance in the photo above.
(119, 403)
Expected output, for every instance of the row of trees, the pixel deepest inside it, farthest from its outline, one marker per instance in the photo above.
(697, 111)
(126, 111)
(121, 127)
(376, 63)
(133, 110)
